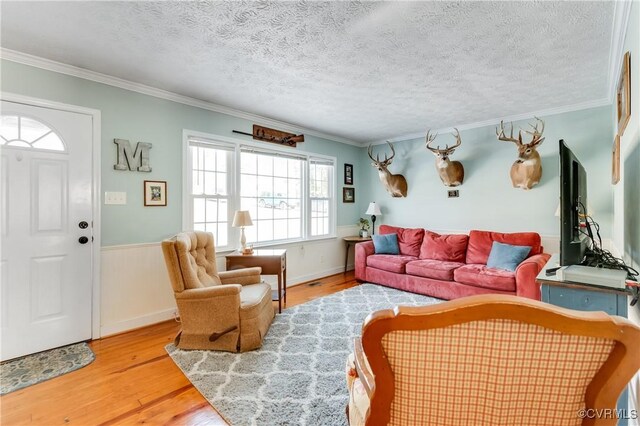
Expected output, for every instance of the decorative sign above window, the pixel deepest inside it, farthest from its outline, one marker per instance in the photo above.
(132, 160)
(275, 136)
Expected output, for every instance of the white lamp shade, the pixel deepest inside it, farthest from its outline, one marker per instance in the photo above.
(373, 209)
(242, 218)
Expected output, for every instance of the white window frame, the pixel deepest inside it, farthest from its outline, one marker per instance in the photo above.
(333, 213)
(230, 178)
(233, 183)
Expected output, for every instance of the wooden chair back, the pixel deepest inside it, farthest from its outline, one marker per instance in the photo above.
(495, 359)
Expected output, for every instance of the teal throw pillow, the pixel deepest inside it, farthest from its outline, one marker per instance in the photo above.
(506, 256)
(386, 244)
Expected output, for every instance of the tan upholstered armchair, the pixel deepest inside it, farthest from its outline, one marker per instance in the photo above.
(228, 311)
(490, 360)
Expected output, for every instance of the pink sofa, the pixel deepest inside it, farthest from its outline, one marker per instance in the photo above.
(450, 266)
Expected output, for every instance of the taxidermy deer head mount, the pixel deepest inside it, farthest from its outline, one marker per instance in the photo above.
(526, 172)
(451, 172)
(396, 185)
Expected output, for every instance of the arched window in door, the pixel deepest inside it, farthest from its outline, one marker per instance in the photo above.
(25, 132)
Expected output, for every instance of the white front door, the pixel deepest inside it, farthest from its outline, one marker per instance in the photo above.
(46, 219)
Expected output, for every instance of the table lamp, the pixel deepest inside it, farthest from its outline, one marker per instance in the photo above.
(373, 210)
(241, 219)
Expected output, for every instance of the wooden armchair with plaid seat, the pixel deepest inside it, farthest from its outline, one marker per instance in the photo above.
(490, 360)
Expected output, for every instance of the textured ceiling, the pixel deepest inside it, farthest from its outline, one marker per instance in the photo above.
(364, 71)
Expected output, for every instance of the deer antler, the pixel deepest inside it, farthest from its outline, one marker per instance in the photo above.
(430, 138)
(447, 149)
(393, 154)
(376, 160)
(502, 137)
(536, 134)
(386, 161)
(458, 141)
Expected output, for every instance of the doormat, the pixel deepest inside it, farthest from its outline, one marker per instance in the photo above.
(31, 369)
(297, 377)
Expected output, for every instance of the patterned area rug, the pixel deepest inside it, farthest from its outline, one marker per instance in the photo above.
(297, 377)
(31, 369)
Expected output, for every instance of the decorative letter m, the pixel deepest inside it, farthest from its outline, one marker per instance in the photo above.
(128, 160)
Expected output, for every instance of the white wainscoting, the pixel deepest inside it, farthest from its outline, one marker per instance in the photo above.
(136, 290)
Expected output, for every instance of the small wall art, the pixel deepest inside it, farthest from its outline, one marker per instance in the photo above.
(623, 94)
(155, 193)
(348, 195)
(348, 174)
(615, 161)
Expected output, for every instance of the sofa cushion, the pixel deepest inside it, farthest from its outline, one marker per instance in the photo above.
(451, 248)
(436, 269)
(389, 262)
(480, 243)
(506, 256)
(409, 240)
(482, 276)
(386, 244)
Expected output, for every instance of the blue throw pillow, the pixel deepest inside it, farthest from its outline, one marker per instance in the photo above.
(505, 256)
(386, 244)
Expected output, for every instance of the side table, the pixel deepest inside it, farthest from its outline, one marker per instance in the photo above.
(272, 262)
(585, 297)
(351, 241)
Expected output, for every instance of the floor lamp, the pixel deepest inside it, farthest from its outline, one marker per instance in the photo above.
(373, 210)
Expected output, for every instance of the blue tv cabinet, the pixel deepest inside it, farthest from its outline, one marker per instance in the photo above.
(585, 297)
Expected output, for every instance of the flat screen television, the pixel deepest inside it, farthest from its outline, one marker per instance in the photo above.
(573, 204)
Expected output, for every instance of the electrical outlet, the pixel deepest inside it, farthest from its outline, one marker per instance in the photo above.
(453, 193)
(321, 259)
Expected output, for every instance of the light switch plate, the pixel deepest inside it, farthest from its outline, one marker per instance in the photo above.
(115, 197)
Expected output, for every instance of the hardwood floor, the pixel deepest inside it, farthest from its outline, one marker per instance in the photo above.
(133, 380)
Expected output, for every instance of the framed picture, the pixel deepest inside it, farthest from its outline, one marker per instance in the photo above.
(623, 94)
(155, 193)
(615, 161)
(348, 174)
(348, 195)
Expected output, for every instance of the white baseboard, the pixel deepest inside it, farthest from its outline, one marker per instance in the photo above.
(317, 275)
(133, 323)
(136, 290)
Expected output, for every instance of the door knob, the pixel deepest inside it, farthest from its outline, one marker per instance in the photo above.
(83, 225)
(83, 240)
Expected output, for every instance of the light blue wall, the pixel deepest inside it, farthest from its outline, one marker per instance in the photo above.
(137, 117)
(630, 147)
(487, 198)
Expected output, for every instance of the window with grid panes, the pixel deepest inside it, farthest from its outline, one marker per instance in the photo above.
(210, 190)
(289, 195)
(271, 190)
(321, 196)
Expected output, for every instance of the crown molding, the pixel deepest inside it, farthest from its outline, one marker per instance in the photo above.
(492, 122)
(59, 67)
(621, 15)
